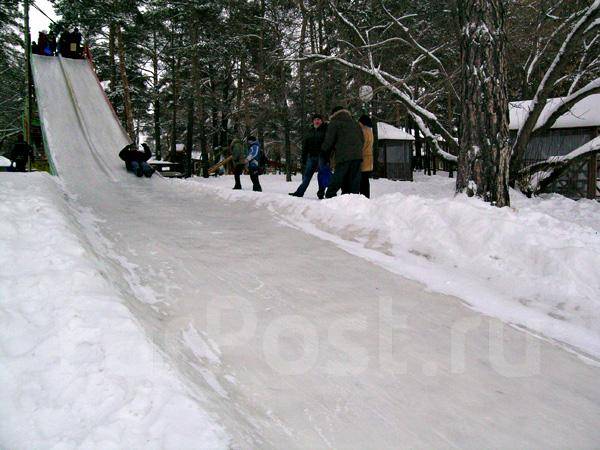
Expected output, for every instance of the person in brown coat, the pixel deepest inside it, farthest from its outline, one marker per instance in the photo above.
(366, 168)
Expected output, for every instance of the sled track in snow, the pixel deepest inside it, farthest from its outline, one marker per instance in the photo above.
(289, 341)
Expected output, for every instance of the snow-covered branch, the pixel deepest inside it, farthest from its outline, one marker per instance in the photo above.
(540, 173)
(552, 74)
(553, 113)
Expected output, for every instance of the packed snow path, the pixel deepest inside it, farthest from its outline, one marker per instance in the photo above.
(296, 343)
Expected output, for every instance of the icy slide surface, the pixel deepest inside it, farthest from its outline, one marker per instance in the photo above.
(293, 342)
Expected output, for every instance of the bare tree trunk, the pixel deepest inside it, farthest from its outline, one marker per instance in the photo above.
(189, 137)
(302, 70)
(156, 104)
(191, 92)
(261, 78)
(240, 103)
(203, 143)
(484, 146)
(125, 83)
(175, 61)
(196, 96)
(418, 149)
(111, 57)
(225, 110)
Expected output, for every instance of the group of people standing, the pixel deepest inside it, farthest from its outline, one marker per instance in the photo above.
(350, 143)
(69, 44)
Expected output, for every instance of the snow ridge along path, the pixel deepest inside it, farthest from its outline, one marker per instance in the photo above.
(290, 341)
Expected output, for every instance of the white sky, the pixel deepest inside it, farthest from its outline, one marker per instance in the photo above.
(37, 21)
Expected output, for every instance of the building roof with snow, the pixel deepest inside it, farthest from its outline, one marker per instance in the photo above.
(390, 132)
(583, 114)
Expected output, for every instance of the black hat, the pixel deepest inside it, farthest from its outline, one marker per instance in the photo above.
(317, 116)
(251, 138)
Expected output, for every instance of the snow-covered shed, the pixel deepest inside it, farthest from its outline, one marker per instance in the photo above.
(570, 132)
(393, 153)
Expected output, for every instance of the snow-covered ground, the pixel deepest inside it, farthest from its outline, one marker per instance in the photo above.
(77, 370)
(163, 313)
(534, 265)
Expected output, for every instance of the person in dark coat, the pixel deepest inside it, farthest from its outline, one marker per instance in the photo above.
(75, 46)
(42, 44)
(52, 43)
(312, 157)
(345, 137)
(20, 154)
(136, 161)
(238, 158)
(63, 44)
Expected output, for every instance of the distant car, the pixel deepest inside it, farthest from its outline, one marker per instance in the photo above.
(5, 164)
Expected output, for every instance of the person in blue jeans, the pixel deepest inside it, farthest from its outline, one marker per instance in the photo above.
(313, 159)
(137, 161)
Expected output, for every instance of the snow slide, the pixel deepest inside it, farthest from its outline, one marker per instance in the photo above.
(78, 122)
(290, 341)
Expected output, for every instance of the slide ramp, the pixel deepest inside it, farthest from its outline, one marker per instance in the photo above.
(80, 129)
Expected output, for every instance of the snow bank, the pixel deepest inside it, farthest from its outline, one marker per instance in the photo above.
(534, 265)
(77, 371)
(4, 162)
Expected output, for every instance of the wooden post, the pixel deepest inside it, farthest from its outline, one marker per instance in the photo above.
(27, 121)
(593, 174)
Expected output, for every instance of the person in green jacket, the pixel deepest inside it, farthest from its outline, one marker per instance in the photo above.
(238, 157)
(344, 137)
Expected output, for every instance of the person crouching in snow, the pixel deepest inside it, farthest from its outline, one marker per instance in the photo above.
(253, 160)
(136, 161)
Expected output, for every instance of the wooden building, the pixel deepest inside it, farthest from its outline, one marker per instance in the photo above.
(572, 130)
(393, 153)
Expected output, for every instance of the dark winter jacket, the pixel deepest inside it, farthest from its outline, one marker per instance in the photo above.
(345, 137)
(75, 44)
(237, 152)
(52, 43)
(313, 141)
(63, 43)
(20, 152)
(128, 154)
